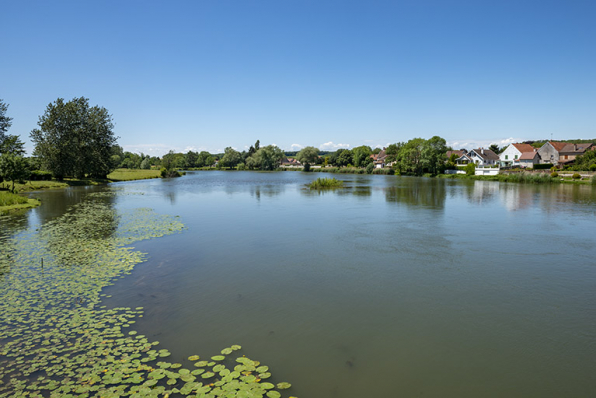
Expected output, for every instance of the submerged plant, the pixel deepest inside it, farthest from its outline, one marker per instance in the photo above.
(57, 340)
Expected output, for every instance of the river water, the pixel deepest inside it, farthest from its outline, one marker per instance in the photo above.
(390, 287)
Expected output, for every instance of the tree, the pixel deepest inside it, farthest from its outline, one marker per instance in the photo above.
(495, 148)
(308, 154)
(191, 159)
(146, 163)
(266, 158)
(5, 121)
(231, 157)
(392, 151)
(75, 139)
(204, 159)
(361, 155)
(13, 168)
(12, 144)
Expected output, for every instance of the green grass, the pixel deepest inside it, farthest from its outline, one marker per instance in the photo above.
(10, 201)
(132, 174)
(326, 183)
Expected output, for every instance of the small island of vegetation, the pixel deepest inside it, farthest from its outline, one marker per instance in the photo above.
(326, 183)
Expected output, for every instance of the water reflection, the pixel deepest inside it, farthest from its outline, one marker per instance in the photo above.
(426, 193)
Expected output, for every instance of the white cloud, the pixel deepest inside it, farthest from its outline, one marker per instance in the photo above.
(329, 146)
(150, 149)
(296, 147)
(474, 144)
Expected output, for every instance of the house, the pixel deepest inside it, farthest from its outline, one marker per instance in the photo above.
(379, 159)
(483, 157)
(290, 162)
(562, 153)
(529, 159)
(511, 155)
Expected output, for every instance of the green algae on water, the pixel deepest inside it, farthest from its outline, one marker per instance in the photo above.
(57, 340)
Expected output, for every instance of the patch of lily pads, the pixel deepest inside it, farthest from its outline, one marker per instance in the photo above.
(58, 340)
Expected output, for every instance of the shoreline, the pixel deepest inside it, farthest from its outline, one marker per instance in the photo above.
(118, 175)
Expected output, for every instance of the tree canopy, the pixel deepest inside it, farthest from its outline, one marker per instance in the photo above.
(75, 139)
(308, 154)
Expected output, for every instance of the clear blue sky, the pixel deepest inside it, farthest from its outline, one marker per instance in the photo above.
(210, 74)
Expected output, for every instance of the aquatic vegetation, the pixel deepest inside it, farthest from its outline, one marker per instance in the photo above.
(326, 183)
(58, 340)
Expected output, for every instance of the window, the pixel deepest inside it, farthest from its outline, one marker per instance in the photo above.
(515, 157)
(506, 157)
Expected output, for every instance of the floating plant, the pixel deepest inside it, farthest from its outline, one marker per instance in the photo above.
(57, 340)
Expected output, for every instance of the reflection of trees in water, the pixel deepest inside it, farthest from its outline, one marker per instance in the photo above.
(351, 188)
(418, 192)
(266, 190)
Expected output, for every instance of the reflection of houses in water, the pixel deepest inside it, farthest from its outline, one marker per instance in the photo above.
(516, 196)
(482, 192)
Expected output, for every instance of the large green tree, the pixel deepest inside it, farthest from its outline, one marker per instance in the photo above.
(361, 155)
(231, 157)
(308, 154)
(266, 158)
(75, 139)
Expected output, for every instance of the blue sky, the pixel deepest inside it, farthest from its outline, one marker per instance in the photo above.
(204, 75)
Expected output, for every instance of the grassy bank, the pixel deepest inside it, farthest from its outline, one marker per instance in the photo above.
(132, 174)
(117, 175)
(524, 178)
(10, 201)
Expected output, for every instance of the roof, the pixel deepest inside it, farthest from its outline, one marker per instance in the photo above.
(558, 145)
(575, 148)
(457, 153)
(528, 155)
(487, 155)
(524, 147)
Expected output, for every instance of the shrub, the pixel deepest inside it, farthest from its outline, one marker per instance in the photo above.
(39, 175)
(576, 176)
(470, 169)
(543, 166)
(554, 174)
(306, 167)
(241, 166)
(553, 169)
(369, 168)
(592, 167)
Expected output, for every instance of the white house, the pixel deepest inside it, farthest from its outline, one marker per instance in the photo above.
(483, 157)
(512, 154)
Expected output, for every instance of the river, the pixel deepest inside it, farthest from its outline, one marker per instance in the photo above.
(390, 287)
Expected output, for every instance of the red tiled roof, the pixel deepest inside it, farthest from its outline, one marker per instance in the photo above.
(528, 155)
(558, 145)
(524, 147)
(457, 153)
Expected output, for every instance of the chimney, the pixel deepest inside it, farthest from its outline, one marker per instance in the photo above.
(575, 147)
(482, 150)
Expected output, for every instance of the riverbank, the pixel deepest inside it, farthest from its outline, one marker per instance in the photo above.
(117, 175)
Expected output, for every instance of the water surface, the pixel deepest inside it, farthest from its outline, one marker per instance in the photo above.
(394, 286)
